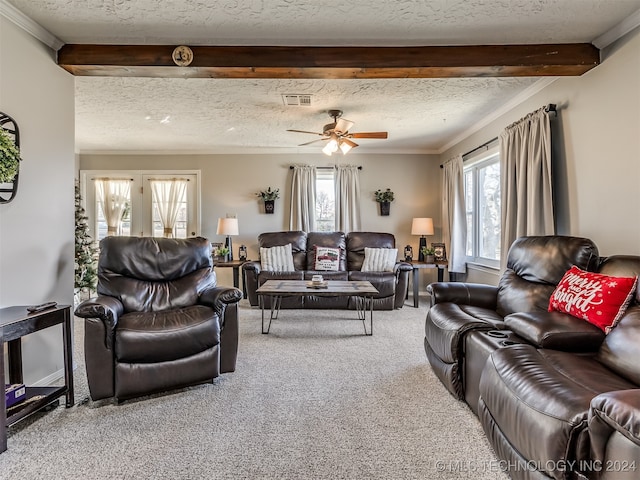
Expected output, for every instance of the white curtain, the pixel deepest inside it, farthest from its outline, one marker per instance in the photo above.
(113, 196)
(303, 198)
(168, 195)
(525, 180)
(454, 223)
(347, 182)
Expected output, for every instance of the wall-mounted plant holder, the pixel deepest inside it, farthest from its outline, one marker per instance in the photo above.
(269, 206)
(9, 189)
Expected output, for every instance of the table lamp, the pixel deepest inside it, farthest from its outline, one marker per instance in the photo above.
(228, 227)
(422, 227)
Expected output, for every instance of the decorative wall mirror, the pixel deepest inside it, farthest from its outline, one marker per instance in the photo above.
(9, 157)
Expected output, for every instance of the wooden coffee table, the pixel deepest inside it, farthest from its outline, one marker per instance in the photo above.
(277, 289)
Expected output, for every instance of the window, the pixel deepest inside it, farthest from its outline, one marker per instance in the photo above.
(482, 199)
(136, 207)
(325, 200)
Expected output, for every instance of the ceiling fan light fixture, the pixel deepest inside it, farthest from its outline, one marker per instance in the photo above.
(331, 146)
(346, 145)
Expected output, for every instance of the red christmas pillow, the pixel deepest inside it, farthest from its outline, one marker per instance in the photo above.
(598, 299)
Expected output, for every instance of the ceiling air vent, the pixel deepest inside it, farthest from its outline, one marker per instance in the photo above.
(297, 100)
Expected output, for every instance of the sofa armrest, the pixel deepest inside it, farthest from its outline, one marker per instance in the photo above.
(556, 330)
(104, 308)
(402, 267)
(614, 431)
(401, 270)
(476, 294)
(251, 271)
(218, 298)
(252, 266)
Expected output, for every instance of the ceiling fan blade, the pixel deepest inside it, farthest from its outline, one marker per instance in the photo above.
(343, 125)
(381, 135)
(313, 141)
(304, 131)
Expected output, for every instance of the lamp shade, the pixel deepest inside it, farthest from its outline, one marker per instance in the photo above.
(227, 226)
(422, 226)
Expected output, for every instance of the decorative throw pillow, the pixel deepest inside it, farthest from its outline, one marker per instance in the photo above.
(327, 258)
(277, 259)
(599, 299)
(379, 259)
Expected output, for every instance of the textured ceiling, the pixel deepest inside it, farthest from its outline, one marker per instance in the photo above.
(219, 115)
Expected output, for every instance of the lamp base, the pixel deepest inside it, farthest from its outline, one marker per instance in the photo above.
(423, 243)
(227, 243)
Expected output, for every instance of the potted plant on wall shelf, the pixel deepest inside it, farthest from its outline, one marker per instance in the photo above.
(9, 158)
(269, 196)
(384, 198)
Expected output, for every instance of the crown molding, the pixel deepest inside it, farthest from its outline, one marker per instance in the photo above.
(14, 15)
(514, 102)
(618, 31)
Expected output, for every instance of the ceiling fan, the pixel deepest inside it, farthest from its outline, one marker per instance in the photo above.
(337, 134)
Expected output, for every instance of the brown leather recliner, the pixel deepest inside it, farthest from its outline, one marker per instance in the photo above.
(159, 321)
(535, 265)
(551, 412)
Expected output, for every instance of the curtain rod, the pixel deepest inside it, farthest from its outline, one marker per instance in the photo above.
(551, 108)
(291, 167)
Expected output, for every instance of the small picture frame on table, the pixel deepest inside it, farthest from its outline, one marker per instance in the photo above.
(440, 252)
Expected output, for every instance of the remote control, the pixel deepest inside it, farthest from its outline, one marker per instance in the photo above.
(43, 306)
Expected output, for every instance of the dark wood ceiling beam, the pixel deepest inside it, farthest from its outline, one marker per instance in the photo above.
(332, 62)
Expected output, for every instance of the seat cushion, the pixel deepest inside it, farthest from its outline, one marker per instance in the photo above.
(384, 282)
(539, 399)
(149, 337)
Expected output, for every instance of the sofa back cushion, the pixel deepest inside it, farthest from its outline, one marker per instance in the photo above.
(326, 239)
(276, 259)
(297, 239)
(154, 274)
(357, 241)
(621, 348)
(535, 265)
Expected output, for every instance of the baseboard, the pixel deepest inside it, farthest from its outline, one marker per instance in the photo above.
(53, 378)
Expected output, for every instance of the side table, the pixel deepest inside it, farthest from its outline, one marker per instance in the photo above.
(236, 265)
(441, 266)
(15, 323)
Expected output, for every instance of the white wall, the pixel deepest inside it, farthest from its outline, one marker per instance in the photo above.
(596, 150)
(229, 184)
(37, 227)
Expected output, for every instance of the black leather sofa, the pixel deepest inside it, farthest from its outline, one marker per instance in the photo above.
(556, 397)
(392, 286)
(159, 321)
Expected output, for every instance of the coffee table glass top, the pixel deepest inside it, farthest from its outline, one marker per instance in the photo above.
(302, 287)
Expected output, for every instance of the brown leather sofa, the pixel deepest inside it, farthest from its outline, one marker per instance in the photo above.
(556, 397)
(391, 285)
(159, 321)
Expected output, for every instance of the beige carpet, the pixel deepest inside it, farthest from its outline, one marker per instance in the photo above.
(314, 399)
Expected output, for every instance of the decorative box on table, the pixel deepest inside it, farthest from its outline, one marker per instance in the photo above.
(14, 393)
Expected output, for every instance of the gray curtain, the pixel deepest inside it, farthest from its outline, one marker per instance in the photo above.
(454, 223)
(347, 183)
(525, 180)
(303, 198)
